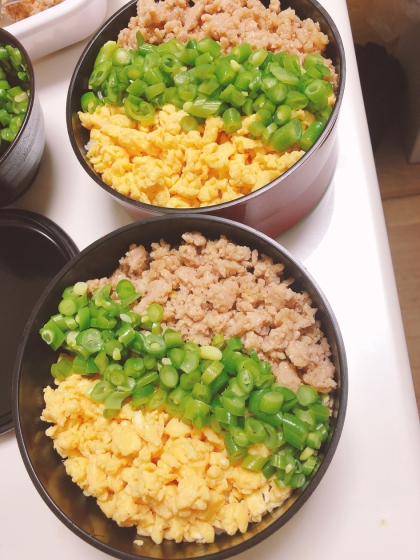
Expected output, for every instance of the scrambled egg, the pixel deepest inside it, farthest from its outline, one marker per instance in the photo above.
(160, 164)
(151, 470)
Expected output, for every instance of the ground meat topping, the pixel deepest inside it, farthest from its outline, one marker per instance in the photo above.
(216, 286)
(230, 22)
(27, 8)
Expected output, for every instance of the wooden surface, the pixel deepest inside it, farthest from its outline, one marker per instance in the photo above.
(363, 32)
(400, 190)
(399, 184)
(396, 177)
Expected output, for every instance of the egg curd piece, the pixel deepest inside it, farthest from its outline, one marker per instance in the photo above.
(152, 471)
(162, 165)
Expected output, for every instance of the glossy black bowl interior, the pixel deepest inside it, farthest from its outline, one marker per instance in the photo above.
(271, 197)
(20, 162)
(45, 467)
(32, 251)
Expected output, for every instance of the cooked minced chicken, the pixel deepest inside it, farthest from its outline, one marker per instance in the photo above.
(230, 22)
(208, 287)
(27, 8)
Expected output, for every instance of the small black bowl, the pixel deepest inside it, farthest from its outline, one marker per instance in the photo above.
(272, 209)
(32, 251)
(20, 162)
(32, 373)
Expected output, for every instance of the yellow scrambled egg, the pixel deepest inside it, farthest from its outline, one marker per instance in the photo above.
(160, 164)
(150, 470)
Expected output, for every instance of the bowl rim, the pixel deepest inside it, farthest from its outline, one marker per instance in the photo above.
(302, 496)
(11, 39)
(225, 205)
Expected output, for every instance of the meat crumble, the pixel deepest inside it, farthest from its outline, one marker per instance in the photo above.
(208, 287)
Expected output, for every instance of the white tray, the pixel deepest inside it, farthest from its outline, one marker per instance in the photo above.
(57, 27)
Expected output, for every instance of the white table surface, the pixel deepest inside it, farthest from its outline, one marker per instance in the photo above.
(367, 506)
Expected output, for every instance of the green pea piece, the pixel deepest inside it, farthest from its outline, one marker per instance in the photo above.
(14, 94)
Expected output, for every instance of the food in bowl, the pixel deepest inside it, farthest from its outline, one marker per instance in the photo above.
(14, 93)
(242, 109)
(164, 165)
(26, 8)
(230, 23)
(194, 388)
(22, 135)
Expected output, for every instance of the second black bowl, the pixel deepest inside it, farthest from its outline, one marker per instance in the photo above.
(80, 513)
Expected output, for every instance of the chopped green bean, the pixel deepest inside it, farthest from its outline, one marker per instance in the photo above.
(311, 135)
(234, 451)
(189, 123)
(254, 430)
(14, 94)
(254, 462)
(169, 376)
(287, 135)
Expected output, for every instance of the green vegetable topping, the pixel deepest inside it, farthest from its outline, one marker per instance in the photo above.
(14, 94)
(223, 386)
(203, 81)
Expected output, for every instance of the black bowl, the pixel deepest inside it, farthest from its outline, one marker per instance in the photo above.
(20, 162)
(80, 513)
(272, 209)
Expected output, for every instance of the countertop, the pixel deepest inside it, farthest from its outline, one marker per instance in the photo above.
(367, 506)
